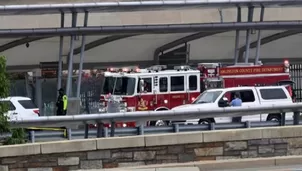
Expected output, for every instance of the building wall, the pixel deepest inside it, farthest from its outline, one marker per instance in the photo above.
(154, 149)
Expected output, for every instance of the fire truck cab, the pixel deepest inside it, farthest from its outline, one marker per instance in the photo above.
(154, 88)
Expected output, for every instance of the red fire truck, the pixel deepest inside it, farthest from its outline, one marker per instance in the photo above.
(158, 88)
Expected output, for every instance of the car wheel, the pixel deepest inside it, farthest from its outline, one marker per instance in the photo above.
(204, 121)
(275, 118)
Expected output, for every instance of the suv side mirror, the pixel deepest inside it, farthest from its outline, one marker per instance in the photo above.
(141, 85)
(223, 102)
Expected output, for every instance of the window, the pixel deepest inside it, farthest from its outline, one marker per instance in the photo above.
(270, 94)
(244, 95)
(193, 82)
(177, 83)
(27, 104)
(163, 84)
(119, 85)
(147, 85)
(207, 97)
(10, 105)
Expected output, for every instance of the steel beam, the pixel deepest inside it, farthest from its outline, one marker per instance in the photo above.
(248, 34)
(236, 53)
(59, 83)
(70, 62)
(259, 38)
(100, 42)
(151, 29)
(82, 57)
(19, 42)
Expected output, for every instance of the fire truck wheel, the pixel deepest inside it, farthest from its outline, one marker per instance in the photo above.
(206, 121)
(159, 123)
(274, 117)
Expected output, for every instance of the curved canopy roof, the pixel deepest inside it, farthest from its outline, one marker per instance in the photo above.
(37, 9)
(141, 49)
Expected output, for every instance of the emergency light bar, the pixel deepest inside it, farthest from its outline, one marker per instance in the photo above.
(182, 67)
(125, 69)
(157, 67)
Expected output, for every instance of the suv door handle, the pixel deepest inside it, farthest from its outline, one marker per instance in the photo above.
(15, 113)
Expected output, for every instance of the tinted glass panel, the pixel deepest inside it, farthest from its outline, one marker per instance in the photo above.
(28, 104)
(192, 82)
(177, 83)
(163, 84)
(270, 94)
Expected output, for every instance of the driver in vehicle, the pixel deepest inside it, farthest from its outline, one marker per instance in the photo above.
(236, 101)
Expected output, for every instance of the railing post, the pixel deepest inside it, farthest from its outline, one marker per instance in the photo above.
(100, 127)
(141, 130)
(296, 118)
(282, 120)
(248, 124)
(112, 129)
(105, 129)
(69, 133)
(32, 136)
(86, 131)
(212, 126)
(176, 127)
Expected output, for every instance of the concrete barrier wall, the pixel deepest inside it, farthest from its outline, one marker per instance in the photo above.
(153, 149)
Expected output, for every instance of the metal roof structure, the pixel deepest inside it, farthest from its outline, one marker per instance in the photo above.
(123, 50)
(38, 9)
(150, 29)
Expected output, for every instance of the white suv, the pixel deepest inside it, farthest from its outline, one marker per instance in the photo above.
(20, 108)
(250, 96)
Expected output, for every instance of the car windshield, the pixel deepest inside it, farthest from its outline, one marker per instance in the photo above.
(207, 97)
(119, 85)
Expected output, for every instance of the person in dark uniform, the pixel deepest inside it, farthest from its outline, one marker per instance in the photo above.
(62, 103)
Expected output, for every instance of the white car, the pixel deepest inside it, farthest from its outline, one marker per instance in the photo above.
(250, 96)
(20, 108)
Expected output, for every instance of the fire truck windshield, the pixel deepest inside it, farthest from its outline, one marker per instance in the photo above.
(207, 97)
(119, 85)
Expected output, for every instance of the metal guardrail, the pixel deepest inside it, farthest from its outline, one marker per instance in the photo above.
(39, 136)
(143, 116)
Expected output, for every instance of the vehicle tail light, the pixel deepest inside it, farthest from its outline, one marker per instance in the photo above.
(37, 112)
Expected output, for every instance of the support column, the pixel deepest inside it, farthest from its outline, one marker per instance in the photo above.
(59, 84)
(248, 34)
(82, 57)
(70, 62)
(259, 37)
(37, 76)
(236, 53)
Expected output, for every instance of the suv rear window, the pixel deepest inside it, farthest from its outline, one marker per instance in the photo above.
(27, 104)
(271, 94)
